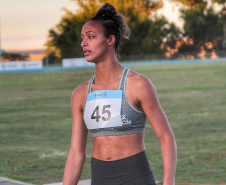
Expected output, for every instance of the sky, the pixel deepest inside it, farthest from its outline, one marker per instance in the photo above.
(24, 24)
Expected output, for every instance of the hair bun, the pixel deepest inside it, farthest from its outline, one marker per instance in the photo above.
(107, 10)
(113, 23)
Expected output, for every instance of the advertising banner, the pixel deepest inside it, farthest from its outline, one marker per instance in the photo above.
(12, 65)
(18, 65)
(76, 62)
(33, 64)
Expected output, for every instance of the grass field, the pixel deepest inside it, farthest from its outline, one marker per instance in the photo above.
(35, 122)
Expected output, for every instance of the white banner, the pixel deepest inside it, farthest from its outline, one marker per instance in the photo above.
(14, 65)
(71, 62)
(33, 64)
(1, 66)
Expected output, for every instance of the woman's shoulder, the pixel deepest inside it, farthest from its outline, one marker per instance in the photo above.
(140, 85)
(138, 79)
(80, 92)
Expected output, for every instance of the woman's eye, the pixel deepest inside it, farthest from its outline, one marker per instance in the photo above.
(91, 37)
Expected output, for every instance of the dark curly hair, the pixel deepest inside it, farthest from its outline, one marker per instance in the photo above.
(113, 23)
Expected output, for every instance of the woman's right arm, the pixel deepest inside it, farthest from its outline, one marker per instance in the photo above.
(77, 153)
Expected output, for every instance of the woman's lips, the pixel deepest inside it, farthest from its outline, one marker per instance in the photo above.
(86, 52)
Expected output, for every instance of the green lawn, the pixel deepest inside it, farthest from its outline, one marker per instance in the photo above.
(35, 122)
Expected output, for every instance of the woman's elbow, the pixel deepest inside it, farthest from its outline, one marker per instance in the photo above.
(168, 138)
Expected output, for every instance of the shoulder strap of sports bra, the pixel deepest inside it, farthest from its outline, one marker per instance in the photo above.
(123, 79)
(90, 84)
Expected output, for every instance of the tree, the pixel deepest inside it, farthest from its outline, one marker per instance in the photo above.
(174, 35)
(140, 8)
(202, 25)
(65, 39)
(14, 56)
(50, 59)
(192, 3)
(147, 33)
(219, 1)
(223, 18)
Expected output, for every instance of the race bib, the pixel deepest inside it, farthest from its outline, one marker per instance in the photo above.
(103, 109)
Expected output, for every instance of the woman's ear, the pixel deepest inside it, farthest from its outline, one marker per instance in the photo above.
(111, 40)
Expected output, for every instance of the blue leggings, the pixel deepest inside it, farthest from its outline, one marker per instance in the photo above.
(133, 170)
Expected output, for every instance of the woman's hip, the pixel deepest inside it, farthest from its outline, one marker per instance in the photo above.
(133, 170)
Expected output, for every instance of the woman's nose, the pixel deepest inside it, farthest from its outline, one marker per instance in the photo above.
(83, 43)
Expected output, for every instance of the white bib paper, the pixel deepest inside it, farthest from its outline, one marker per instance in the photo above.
(103, 109)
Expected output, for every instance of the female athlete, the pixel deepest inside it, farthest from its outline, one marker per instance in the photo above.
(113, 106)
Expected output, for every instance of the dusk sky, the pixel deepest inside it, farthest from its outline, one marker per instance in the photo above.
(25, 23)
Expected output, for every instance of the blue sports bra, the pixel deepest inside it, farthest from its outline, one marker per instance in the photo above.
(108, 112)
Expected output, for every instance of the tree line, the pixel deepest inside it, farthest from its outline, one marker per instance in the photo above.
(10, 56)
(151, 34)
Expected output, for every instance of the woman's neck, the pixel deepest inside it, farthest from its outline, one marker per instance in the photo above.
(108, 71)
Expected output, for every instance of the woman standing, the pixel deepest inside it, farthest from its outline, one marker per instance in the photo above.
(113, 106)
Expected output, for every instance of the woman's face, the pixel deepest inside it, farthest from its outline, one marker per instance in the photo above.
(94, 43)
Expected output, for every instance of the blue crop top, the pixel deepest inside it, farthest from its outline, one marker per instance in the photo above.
(132, 120)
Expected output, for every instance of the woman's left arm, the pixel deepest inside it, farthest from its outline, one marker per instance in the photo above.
(150, 104)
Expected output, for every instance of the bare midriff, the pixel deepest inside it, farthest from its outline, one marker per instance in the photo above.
(110, 148)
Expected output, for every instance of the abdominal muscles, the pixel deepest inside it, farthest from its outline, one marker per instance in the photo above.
(110, 148)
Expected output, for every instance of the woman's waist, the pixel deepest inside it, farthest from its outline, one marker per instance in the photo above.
(110, 148)
(120, 164)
